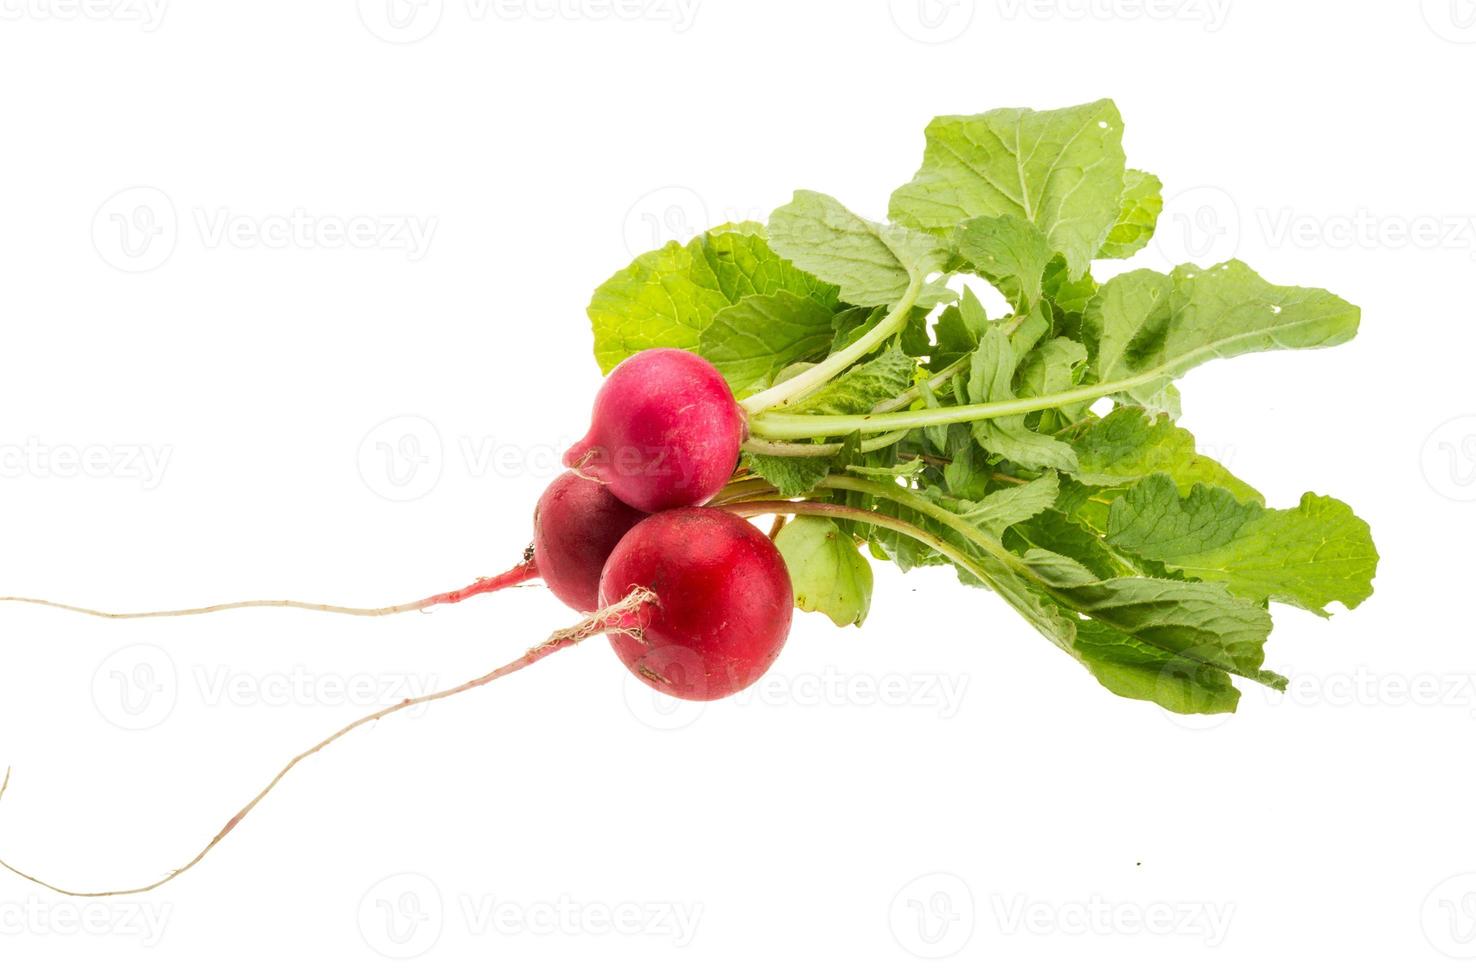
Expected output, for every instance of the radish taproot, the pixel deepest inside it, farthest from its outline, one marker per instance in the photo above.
(665, 431)
(698, 603)
(617, 618)
(576, 524)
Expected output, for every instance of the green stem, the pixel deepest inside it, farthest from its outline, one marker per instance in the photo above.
(901, 495)
(766, 447)
(931, 384)
(779, 426)
(740, 487)
(754, 508)
(995, 549)
(954, 554)
(813, 378)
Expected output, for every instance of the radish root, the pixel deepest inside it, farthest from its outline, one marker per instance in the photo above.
(516, 575)
(621, 617)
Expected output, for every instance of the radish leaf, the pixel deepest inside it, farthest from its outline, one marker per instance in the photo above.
(830, 575)
(871, 263)
(1316, 553)
(1060, 170)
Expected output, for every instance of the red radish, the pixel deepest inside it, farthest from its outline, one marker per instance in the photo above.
(576, 525)
(665, 431)
(723, 602)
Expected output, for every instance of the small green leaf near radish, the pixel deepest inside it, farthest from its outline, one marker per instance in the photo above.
(829, 574)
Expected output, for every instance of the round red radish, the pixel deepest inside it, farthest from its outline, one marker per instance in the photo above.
(665, 431)
(723, 602)
(576, 525)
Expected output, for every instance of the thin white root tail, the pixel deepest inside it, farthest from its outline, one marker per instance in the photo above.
(622, 617)
(517, 575)
(218, 607)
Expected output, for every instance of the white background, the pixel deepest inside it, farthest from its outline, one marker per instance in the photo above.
(941, 793)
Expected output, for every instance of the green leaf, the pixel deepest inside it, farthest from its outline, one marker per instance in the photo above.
(1008, 251)
(1124, 665)
(1003, 508)
(871, 263)
(1132, 669)
(1147, 322)
(990, 379)
(936, 435)
(1051, 367)
(1067, 297)
(852, 322)
(1164, 400)
(953, 333)
(1066, 294)
(1027, 331)
(1198, 620)
(1166, 640)
(1317, 553)
(829, 573)
(965, 475)
(975, 319)
(854, 393)
(1060, 170)
(1051, 530)
(665, 298)
(1128, 444)
(761, 334)
(1142, 201)
(1057, 570)
(792, 476)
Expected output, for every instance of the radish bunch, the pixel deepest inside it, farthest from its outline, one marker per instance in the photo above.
(664, 439)
(833, 372)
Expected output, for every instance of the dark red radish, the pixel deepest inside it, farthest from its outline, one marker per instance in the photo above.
(576, 525)
(665, 431)
(723, 602)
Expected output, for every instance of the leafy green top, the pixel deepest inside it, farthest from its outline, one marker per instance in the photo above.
(902, 420)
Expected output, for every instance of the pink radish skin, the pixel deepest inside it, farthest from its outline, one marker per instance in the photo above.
(665, 432)
(723, 602)
(576, 525)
